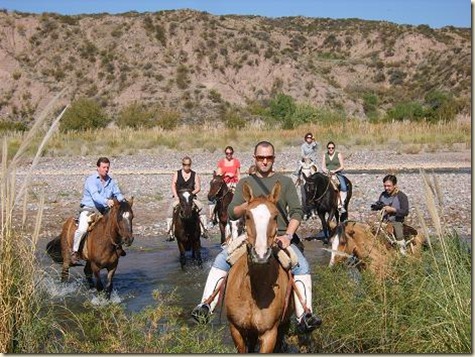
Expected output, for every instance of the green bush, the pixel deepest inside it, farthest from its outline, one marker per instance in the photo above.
(12, 126)
(168, 119)
(135, 116)
(82, 115)
(440, 106)
(282, 108)
(406, 111)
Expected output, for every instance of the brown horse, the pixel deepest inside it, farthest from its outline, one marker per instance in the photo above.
(100, 248)
(367, 248)
(257, 284)
(220, 193)
(187, 227)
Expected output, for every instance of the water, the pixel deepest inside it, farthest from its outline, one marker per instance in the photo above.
(151, 264)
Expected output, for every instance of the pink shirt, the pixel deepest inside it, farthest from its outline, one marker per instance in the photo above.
(233, 169)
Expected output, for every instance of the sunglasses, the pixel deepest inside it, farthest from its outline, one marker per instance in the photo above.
(262, 158)
(308, 137)
(330, 147)
(186, 164)
(229, 153)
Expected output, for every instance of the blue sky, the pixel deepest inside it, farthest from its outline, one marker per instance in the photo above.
(435, 13)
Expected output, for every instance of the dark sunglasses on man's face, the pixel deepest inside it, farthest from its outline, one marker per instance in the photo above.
(262, 158)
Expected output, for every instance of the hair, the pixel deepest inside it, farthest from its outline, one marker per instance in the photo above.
(391, 178)
(308, 134)
(101, 160)
(187, 158)
(264, 144)
(228, 148)
(331, 142)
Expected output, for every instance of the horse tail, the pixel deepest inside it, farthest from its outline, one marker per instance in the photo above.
(53, 248)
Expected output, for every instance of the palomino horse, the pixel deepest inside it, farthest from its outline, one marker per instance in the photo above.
(223, 195)
(257, 284)
(322, 197)
(187, 227)
(100, 248)
(369, 249)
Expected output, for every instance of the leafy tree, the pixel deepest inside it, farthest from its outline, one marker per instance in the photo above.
(82, 115)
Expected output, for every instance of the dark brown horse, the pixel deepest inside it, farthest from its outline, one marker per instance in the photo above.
(220, 193)
(187, 227)
(257, 284)
(321, 196)
(100, 248)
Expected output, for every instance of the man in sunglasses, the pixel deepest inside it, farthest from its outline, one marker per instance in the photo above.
(262, 184)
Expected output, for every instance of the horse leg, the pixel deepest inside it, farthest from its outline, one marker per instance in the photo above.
(268, 340)
(96, 271)
(109, 285)
(88, 273)
(222, 228)
(238, 339)
(197, 252)
(65, 271)
(324, 227)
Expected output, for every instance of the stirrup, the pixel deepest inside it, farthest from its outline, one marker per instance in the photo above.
(309, 323)
(202, 313)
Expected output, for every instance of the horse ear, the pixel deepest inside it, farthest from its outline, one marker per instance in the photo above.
(274, 195)
(131, 201)
(214, 173)
(247, 192)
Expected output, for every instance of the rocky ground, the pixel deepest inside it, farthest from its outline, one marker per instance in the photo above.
(147, 177)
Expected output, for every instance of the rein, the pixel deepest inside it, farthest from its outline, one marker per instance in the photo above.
(321, 196)
(221, 189)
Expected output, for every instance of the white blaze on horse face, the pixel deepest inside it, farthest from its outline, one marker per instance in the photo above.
(187, 196)
(335, 245)
(126, 217)
(261, 217)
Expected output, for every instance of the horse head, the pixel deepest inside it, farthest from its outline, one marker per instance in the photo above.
(216, 187)
(315, 186)
(125, 215)
(261, 222)
(187, 206)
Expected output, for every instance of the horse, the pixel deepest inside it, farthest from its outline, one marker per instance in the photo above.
(257, 285)
(187, 227)
(368, 248)
(321, 196)
(100, 248)
(223, 195)
(307, 168)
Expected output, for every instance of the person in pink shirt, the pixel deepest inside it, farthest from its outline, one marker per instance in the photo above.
(230, 168)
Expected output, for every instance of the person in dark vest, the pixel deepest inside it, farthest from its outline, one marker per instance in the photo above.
(332, 164)
(185, 178)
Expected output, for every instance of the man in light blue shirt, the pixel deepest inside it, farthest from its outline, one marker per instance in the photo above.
(99, 191)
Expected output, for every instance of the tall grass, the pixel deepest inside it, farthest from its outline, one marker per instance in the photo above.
(425, 309)
(406, 137)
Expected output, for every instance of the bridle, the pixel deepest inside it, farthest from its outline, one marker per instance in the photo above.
(224, 190)
(314, 199)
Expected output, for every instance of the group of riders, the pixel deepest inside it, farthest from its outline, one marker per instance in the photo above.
(99, 189)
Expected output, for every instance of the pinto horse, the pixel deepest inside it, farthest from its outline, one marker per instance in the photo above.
(187, 227)
(223, 195)
(100, 248)
(257, 284)
(321, 196)
(367, 248)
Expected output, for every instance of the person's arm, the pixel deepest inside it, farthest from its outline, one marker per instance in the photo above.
(302, 152)
(237, 206)
(403, 209)
(91, 187)
(295, 213)
(238, 170)
(197, 184)
(324, 164)
(174, 179)
(341, 167)
(116, 191)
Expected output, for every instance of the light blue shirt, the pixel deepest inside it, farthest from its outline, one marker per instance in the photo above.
(96, 194)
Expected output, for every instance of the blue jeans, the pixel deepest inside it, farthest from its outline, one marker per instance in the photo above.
(342, 182)
(302, 267)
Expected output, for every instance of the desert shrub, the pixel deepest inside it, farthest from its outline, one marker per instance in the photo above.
(440, 105)
(182, 80)
(82, 115)
(234, 119)
(12, 126)
(406, 111)
(135, 115)
(304, 113)
(168, 119)
(215, 96)
(282, 108)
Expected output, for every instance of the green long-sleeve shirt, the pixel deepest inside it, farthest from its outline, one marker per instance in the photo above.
(288, 200)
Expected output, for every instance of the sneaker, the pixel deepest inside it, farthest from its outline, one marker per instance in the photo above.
(309, 323)
(74, 258)
(201, 313)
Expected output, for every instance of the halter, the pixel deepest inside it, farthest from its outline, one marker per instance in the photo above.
(221, 190)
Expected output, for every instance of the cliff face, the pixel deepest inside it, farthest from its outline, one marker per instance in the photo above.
(197, 63)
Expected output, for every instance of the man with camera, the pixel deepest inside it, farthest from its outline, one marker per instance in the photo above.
(395, 204)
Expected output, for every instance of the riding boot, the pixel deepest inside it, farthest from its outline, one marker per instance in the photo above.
(203, 220)
(343, 195)
(76, 243)
(202, 312)
(171, 237)
(307, 321)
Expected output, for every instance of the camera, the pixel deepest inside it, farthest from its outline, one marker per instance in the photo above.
(377, 206)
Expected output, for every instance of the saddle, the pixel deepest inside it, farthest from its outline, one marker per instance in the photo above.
(237, 248)
(92, 218)
(335, 182)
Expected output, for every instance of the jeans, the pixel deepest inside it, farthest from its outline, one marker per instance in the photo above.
(301, 268)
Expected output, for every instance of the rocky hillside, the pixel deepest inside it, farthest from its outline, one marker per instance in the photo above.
(197, 63)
